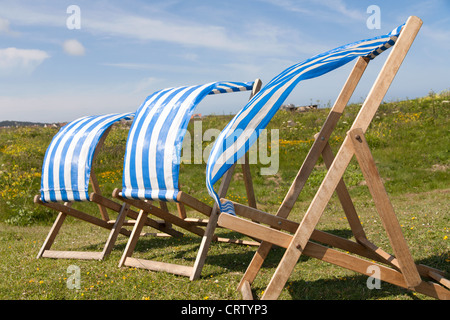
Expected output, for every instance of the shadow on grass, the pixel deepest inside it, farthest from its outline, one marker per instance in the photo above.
(346, 288)
(236, 258)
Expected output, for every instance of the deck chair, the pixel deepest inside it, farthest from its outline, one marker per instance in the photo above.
(399, 268)
(66, 174)
(152, 165)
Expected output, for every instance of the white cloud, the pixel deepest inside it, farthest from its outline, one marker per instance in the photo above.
(18, 61)
(329, 10)
(163, 68)
(180, 32)
(73, 47)
(162, 25)
(342, 9)
(257, 40)
(32, 14)
(131, 65)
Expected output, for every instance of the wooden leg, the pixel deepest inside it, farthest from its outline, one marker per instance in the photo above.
(246, 291)
(384, 208)
(204, 245)
(180, 207)
(344, 198)
(181, 210)
(248, 182)
(52, 234)
(212, 223)
(93, 177)
(211, 227)
(96, 188)
(134, 237)
(115, 230)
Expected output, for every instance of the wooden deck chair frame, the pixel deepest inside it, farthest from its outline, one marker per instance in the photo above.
(115, 225)
(398, 269)
(192, 225)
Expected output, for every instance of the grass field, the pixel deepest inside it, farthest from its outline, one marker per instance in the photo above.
(409, 140)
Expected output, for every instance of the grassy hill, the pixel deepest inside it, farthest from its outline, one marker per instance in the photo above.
(410, 143)
(409, 140)
(13, 124)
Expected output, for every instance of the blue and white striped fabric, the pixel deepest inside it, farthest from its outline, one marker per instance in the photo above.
(67, 163)
(153, 151)
(243, 130)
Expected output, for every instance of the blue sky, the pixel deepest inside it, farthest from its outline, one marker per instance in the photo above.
(125, 50)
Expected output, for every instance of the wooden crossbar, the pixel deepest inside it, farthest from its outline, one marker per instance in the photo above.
(113, 205)
(149, 208)
(384, 207)
(83, 255)
(194, 203)
(159, 266)
(65, 208)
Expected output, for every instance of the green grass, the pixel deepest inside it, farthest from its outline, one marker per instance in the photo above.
(25, 277)
(409, 140)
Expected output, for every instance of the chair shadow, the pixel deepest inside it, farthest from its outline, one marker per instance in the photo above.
(345, 288)
(352, 287)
